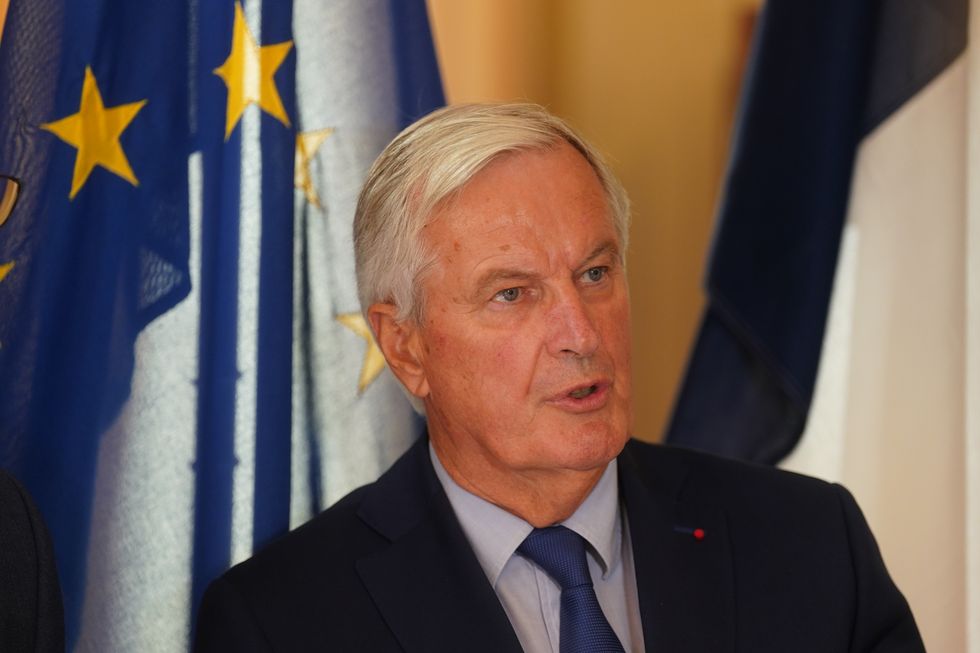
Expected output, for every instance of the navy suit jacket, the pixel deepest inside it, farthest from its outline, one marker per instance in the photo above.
(31, 611)
(787, 563)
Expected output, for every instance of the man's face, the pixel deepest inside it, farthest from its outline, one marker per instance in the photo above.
(524, 338)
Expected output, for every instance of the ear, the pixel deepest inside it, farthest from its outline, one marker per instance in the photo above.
(400, 344)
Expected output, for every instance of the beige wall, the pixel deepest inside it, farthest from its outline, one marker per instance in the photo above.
(653, 85)
(3, 14)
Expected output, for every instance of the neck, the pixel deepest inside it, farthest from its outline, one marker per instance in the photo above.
(542, 498)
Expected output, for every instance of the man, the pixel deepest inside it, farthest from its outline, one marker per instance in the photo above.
(490, 246)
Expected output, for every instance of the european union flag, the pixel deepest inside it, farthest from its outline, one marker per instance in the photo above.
(184, 370)
(94, 122)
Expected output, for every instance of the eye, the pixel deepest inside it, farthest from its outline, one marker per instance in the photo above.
(508, 295)
(596, 274)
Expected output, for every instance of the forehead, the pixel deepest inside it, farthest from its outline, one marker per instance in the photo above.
(522, 199)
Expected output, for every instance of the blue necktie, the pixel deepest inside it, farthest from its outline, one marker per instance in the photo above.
(561, 553)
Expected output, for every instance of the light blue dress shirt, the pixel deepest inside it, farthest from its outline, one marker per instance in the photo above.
(531, 599)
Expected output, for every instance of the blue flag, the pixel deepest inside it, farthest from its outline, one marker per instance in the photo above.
(94, 122)
(823, 74)
(184, 372)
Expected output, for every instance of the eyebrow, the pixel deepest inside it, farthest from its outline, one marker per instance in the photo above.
(494, 276)
(608, 247)
(491, 278)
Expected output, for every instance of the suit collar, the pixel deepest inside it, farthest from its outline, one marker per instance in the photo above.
(427, 583)
(433, 594)
(685, 584)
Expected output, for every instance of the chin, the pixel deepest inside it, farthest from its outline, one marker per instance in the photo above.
(590, 446)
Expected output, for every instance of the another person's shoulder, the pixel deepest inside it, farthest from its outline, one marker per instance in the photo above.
(12, 493)
(31, 612)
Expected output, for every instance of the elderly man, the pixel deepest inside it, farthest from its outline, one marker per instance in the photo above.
(490, 245)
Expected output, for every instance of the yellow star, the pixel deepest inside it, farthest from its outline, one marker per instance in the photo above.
(374, 360)
(94, 131)
(248, 71)
(307, 144)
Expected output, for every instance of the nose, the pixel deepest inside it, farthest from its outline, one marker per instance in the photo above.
(572, 329)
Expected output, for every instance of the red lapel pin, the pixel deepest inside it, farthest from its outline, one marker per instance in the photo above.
(696, 533)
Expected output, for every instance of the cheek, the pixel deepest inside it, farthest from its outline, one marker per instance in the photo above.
(464, 362)
(505, 361)
(499, 366)
(616, 328)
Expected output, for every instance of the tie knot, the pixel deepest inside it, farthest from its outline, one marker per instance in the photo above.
(561, 553)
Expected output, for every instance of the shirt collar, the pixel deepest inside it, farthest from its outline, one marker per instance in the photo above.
(495, 533)
(598, 519)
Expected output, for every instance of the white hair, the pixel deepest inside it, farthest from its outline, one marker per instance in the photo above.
(428, 162)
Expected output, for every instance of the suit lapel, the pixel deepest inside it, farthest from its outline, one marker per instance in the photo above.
(685, 584)
(428, 584)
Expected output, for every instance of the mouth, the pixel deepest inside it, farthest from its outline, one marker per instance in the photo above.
(583, 398)
(582, 393)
